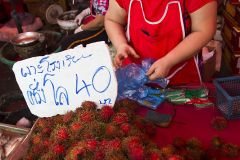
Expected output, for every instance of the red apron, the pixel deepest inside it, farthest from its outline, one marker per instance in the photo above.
(156, 28)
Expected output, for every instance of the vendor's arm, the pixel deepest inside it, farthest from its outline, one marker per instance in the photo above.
(95, 24)
(203, 29)
(115, 21)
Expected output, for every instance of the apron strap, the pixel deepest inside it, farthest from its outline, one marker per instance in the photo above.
(186, 18)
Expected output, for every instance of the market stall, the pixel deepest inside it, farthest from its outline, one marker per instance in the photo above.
(75, 104)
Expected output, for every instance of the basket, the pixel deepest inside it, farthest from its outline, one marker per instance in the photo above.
(228, 96)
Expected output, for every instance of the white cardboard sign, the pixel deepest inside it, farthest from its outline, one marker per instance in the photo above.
(60, 82)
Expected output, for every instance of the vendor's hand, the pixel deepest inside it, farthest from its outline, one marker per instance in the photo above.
(123, 51)
(78, 19)
(159, 69)
(79, 29)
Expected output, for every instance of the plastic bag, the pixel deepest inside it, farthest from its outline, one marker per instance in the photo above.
(132, 82)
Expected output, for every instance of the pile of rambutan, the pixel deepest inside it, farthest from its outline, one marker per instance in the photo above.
(111, 133)
(114, 133)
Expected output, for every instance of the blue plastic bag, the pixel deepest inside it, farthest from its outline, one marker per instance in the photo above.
(132, 82)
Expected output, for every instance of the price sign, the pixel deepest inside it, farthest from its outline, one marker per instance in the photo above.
(60, 82)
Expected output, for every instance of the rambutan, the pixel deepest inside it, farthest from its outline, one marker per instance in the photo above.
(38, 149)
(89, 106)
(87, 135)
(115, 145)
(128, 111)
(111, 130)
(154, 156)
(130, 142)
(41, 123)
(167, 151)
(194, 143)
(59, 134)
(46, 143)
(128, 103)
(219, 123)
(75, 126)
(134, 131)
(106, 113)
(138, 122)
(99, 155)
(75, 153)
(120, 118)
(93, 134)
(230, 150)
(86, 116)
(46, 131)
(153, 153)
(125, 127)
(96, 128)
(68, 117)
(91, 145)
(36, 138)
(110, 146)
(58, 149)
(136, 152)
(216, 142)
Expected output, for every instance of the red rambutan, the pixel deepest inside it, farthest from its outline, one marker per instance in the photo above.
(230, 150)
(219, 123)
(68, 117)
(125, 127)
(138, 122)
(37, 149)
(111, 130)
(76, 126)
(136, 152)
(130, 142)
(46, 143)
(154, 156)
(194, 143)
(120, 118)
(46, 131)
(91, 145)
(167, 151)
(89, 106)
(106, 113)
(128, 103)
(115, 144)
(86, 116)
(36, 138)
(58, 149)
(99, 155)
(75, 152)
(216, 142)
(59, 134)
(153, 153)
(41, 123)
